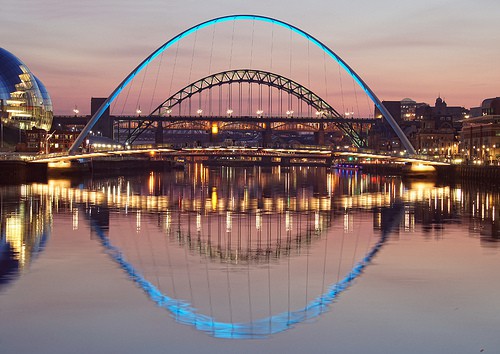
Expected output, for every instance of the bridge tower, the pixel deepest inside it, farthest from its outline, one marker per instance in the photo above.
(159, 133)
(105, 124)
(319, 136)
(267, 135)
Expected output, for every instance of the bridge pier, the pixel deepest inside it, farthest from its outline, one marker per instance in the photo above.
(159, 133)
(267, 160)
(267, 135)
(319, 136)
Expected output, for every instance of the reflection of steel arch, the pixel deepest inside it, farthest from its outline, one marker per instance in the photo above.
(406, 143)
(251, 76)
(271, 244)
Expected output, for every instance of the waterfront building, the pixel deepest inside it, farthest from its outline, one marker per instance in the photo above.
(480, 136)
(439, 130)
(382, 137)
(24, 101)
(41, 141)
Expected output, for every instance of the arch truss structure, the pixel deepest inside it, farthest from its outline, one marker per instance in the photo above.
(404, 140)
(326, 117)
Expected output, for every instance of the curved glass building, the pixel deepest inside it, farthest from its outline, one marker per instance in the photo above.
(24, 100)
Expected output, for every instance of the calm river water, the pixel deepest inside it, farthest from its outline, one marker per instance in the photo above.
(233, 260)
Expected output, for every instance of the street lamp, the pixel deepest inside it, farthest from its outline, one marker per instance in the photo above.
(259, 113)
(199, 112)
(289, 113)
(229, 112)
(47, 138)
(138, 111)
(76, 111)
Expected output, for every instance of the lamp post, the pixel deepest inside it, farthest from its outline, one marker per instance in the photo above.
(49, 136)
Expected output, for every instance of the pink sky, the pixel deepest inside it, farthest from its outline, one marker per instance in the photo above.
(401, 49)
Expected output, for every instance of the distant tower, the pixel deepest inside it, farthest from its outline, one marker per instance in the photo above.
(105, 124)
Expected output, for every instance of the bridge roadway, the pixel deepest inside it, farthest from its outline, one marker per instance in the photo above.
(233, 151)
(82, 120)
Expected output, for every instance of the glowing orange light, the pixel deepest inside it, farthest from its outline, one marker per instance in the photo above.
(215, 128)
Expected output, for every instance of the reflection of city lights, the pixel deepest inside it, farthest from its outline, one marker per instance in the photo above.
(75, 219)
(198, 222)
(151, 183)
(214, 198)
(346, 222)
(229, 224)
(244, 195)
(168, 221)
(407, 219)
(138, 221)
(258, 220)
(14, 236)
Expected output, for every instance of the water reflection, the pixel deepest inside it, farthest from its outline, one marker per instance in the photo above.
(25, 225)
(185, 312)
(242, 253)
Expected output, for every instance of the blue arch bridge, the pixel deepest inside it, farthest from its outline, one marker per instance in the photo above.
(316, 114)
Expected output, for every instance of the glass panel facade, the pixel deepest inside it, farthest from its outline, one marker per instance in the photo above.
(24, 100)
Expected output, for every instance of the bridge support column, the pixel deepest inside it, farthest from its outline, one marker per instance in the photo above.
(159, 133)
(267, 135)
(214, 133)
(319, 136)
(266, 160)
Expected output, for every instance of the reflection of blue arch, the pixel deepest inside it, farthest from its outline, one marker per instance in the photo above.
(406, 143)
(184, 313)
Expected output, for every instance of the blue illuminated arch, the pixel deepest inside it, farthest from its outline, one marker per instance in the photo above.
(404, 140)
(183, 312)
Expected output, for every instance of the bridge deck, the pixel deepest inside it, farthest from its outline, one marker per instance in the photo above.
(235, 151)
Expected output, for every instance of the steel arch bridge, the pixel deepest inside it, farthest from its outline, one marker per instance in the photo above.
(369, 92)
(326, 119)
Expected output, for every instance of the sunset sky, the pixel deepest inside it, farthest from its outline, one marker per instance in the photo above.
(417, 49)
